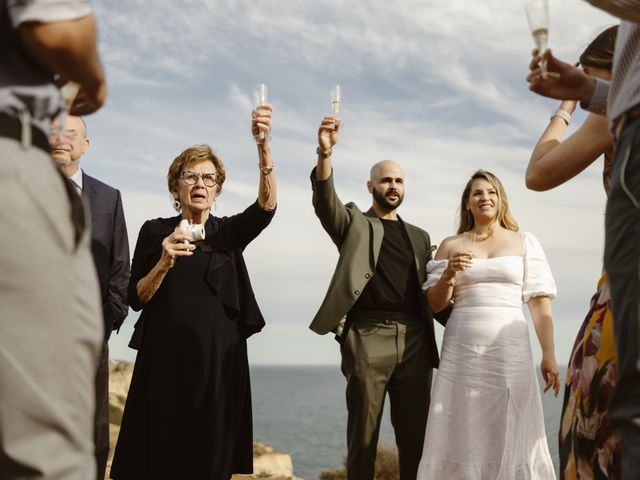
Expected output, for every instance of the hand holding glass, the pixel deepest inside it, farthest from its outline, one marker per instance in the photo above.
(259, 98)
(68, 92)
(538, 17)
(336, 94)
(468, 239)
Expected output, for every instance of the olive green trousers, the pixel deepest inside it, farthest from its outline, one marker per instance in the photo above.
(378, 356)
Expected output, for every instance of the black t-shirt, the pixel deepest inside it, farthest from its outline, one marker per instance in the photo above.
(394, 285)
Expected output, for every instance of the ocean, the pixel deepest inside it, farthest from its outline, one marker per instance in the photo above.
(301, 411)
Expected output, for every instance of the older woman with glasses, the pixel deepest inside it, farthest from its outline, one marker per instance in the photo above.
(188, 413)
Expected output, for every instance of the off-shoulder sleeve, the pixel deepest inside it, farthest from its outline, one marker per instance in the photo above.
(435, 269)
(538, 280)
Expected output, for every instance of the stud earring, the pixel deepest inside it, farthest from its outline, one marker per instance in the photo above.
(175, 203)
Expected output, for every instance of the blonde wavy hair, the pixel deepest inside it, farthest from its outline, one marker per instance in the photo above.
(503, 216)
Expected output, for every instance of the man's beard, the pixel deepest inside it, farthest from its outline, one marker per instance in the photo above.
(384, 202)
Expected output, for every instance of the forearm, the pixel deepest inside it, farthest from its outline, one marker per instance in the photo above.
(555, 161)
(542, 316)
(544, 331)
(542, 167)
(66, 48)
(267, 188)
(439, 295)
(324, 167)
(149, 284)
(625, 9)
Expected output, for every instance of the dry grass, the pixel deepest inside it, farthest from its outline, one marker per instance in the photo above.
(386, 466)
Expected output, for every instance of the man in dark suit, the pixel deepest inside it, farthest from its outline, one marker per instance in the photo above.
(376, 307)
(110, 249)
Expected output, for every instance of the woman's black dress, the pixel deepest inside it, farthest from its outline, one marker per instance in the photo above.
(188, 413)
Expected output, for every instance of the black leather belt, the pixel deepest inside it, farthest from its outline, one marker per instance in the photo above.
(382, 316)
(11, 127)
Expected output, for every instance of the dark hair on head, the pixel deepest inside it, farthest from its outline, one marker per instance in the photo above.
(599, 53)
(503, 215)
(190, 157)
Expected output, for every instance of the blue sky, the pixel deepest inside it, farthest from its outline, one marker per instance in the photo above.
(436, 85)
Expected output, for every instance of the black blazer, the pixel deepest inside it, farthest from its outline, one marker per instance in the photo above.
(110, 249)
(227, 275)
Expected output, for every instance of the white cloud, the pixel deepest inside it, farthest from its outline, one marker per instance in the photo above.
(438, 86)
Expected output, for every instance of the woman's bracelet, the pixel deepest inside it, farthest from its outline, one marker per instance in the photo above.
(564, 115)
(450, 281)
(265, 170)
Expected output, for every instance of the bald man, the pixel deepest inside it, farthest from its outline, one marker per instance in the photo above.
(377, 310)
(110, 251)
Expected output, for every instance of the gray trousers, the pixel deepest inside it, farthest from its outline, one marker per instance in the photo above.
(622, 263)
(379, 357)
(51, 327)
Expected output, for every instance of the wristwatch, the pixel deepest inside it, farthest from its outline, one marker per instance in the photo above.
(324, 154)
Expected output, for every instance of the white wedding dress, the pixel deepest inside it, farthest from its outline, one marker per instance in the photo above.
(485, 419)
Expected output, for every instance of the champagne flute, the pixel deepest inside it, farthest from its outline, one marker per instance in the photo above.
(468, 239)
(259, 99)
(68, 92)
(538, 17)
(336, 95)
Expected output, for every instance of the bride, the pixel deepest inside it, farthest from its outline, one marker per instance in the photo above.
(485, 420)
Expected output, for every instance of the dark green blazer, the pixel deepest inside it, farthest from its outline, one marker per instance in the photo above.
(358, 236)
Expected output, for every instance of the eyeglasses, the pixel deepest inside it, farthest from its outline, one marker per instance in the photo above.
(68, 134)
(191, 178)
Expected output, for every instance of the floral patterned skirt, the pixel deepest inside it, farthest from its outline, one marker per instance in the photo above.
(589, 449)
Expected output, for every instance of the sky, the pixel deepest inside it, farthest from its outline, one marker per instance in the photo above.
(438, 86)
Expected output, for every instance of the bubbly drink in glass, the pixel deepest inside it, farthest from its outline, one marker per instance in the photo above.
(538, 17)
(336, 94)
(259, 99)
(68, 92)
(541, 38)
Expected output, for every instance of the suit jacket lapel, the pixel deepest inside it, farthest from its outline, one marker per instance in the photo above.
(417, 245)
(377, 233)
(88, 192)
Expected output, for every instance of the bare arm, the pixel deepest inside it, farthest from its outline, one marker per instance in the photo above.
(328, 135)
(267, 191)
(172, 248)
(540, 308)
(625, 9)
(439, 295)
(555, 161)
(69, 49)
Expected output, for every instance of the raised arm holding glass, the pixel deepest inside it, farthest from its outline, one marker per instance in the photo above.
(619, 99)
(188, 413)
(587, 442)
